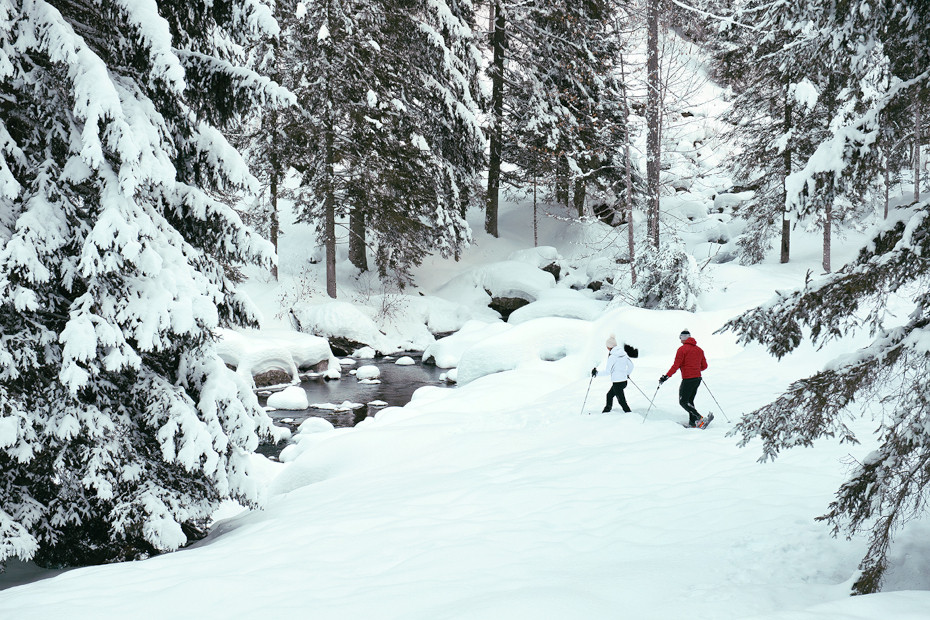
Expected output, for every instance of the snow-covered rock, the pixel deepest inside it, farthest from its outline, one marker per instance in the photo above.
(406, 360)
(566, 303)
(724, 201)
(367, 372)
(339, 319)
(292, 398)
(253, 352)
(504, 279)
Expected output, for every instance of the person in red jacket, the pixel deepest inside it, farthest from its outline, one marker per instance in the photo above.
(690, 359)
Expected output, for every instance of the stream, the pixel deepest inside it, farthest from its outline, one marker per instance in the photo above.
(395, 389)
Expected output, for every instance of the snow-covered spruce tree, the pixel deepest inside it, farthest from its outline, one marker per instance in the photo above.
(119, 424)
(778, 118)
(892, 484)
(861, 61)
(564, 122)
(387, 92)
(266, 137)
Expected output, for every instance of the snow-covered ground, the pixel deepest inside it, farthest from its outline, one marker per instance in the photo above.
(506, 498)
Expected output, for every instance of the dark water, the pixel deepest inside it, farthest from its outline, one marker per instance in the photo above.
(397, 386)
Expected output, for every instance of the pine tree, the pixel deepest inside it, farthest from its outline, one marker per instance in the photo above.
(557, 114)
(881, 62)
(119, 424)
(388, 93)
(893, 484)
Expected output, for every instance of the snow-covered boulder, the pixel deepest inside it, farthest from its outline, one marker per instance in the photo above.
(498, 282)
(566, 303)
(256, 352)
(291, 398)
(446, 352)
(727, 200)
(345, 325)
(406, 360)
(367, 373)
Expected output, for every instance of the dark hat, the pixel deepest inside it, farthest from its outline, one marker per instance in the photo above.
(684, 335)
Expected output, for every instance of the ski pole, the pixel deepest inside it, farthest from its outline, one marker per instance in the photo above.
(640, 391)
(704, 383)
(586, 395)
(651, 402)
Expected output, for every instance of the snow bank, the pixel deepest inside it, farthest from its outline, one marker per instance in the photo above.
(446, 352)
(548, 340)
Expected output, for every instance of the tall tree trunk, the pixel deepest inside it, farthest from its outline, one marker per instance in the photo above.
(329, 198)
(579, 195)
(274, 225)
(329, 211)
(653, 136)
(535, 218)
(827, 232)
(357, 254)
(497, 120)
(628, 173)
(273, 222)
(917, 139)
(785, 215)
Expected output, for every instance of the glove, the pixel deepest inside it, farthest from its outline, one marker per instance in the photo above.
(663, 379)
(594, 372)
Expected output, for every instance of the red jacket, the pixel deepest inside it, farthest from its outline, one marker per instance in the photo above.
(690, 358)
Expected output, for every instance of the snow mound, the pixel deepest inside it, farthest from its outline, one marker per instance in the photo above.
(546, 340)
(541, 256)
(292, 398)
(367, 373)
(405, 361)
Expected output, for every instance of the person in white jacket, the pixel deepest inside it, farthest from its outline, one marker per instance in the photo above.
(619, 366)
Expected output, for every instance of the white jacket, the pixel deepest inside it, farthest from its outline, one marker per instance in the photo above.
(619, 365)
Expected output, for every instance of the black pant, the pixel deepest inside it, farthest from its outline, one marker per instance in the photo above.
(686, 393)
(617, 390)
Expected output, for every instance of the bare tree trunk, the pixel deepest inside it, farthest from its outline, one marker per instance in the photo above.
(497, 120)
(329, 212)
(579, 195)
(653, 137)
(917, 138)
(535, 219)
(629, 174)
(357, 254)
(785, 216)
(827, 232)
(274, 225)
